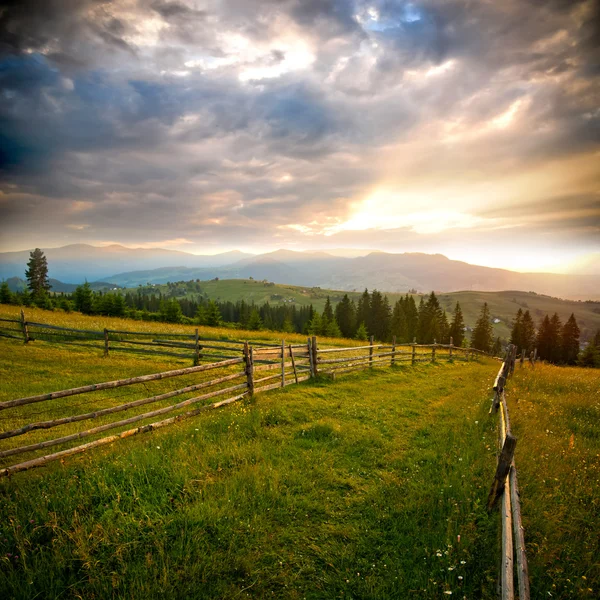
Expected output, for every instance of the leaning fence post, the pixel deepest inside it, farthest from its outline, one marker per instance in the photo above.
(24, 327)
(433, 350)
(414, 351)
(282, 363)
(106, 348)
(451, 346)
(293, 364)
(393, 350)
(504, 462)
(248, 358)
(315, 355)
(371, 339)
(310, 357)
(196, 348)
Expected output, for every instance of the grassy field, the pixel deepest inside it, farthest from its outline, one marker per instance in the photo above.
(503, 305)
(372, 486)
(555, 415)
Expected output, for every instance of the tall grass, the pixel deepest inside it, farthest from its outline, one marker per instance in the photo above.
(555, 414)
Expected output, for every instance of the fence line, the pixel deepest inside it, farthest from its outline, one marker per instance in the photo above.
(505, 487)
(290, 364)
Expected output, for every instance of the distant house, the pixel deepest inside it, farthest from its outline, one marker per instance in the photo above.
(497, 320)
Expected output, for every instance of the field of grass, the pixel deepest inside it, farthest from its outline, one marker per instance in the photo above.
(555, 415)
(324, 490)
(372, 486)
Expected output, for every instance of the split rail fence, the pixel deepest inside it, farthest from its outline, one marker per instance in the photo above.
(505, 489)
(258, 368)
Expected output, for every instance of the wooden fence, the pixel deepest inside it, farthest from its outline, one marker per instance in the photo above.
(505, 489)
(188, 346)
(265, 367)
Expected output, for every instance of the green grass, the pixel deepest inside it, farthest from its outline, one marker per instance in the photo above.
(555, 415)
(357, 488)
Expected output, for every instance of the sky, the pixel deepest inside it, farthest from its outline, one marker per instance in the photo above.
(465, 127)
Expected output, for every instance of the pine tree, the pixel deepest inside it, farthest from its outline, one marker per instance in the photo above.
(527, 332)
(328, 311)
(363, 310)
(37, 274)
(555, 345)
(345, 315)
(516, 334)
(422, 323)
(412, 317)
(6, 296)
(213, 314)
(254, 321)
(170, 311)
(543, 339)
(399, 325)
(457, 328)
(482, 334)
(570, 341)
(84, 299)
(361, 333)
(315, 325)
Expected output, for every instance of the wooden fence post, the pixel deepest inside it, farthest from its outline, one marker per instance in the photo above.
(293, 363)
(451, 346)
(504, 462)
(248, 358)
(414, 351)
(393, 350)
(433, 350)
(282, 363)
(310, 357)
(24, 327)
(371, 340)
(196, 348)
(315, 355)
(106, 348)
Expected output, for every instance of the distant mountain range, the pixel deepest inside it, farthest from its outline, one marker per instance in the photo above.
(128, 267)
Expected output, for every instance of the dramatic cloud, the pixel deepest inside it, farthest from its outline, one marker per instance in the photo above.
(450, 126)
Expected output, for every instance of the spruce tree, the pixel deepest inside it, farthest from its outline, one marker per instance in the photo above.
(516, 334)
(254, 321)
(570, 341)
(361, 333)
(412, 317)
(213, 314)
(399, 325)
(37, 274)
(482, 334)
(6, 296)
(527, 332)
(345, 315)
(328, 311)
(457, 328)
(363, 309)
(543, 339)
(555, 345)
(84, 299)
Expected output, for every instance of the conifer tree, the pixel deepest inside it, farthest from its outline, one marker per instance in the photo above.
(543, 339)
(412, 317)
(527, 332)
(399, 325)
(37, 274)
(213, 314)
(328, 311)
(6, 296)
(254, 321)
(457, 328)
(555, 345)
(516, 334)
(570, 341)
(482, 334)
(345, 315)
(84, 299)
(422, 323)
(361, 333)
(363, 309)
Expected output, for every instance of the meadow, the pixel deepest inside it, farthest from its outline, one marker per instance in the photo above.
(372, 486)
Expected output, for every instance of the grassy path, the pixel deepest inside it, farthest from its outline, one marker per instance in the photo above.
(370, 487)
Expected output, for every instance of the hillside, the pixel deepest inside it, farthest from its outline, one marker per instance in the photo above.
(503, 305)
(378, 270)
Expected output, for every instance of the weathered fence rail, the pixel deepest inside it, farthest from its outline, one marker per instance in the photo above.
(505, 488)
(282, 364)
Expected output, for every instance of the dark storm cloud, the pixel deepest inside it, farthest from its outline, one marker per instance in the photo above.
(257, 114)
